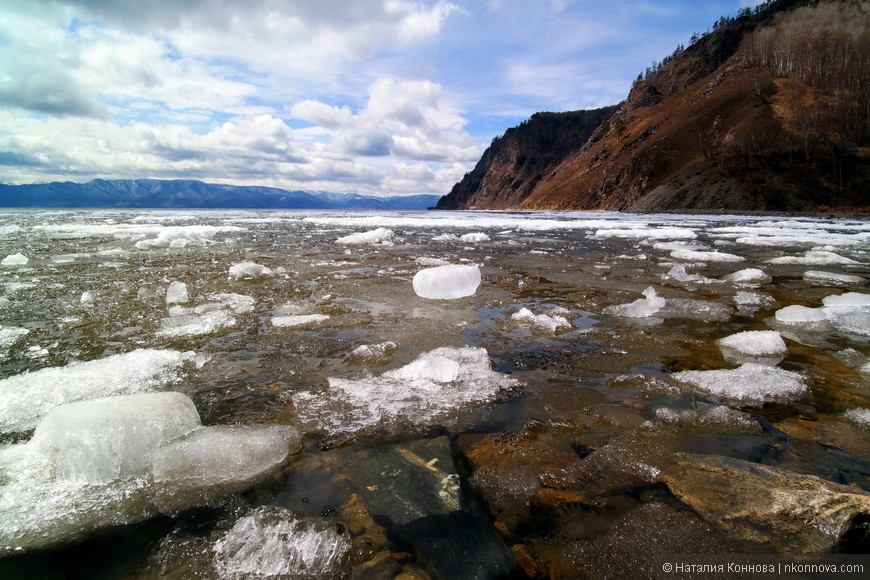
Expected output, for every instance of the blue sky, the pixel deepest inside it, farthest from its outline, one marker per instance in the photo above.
(385, 97)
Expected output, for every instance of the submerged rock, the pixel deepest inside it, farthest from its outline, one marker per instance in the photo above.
(417, 488)
(777, 510)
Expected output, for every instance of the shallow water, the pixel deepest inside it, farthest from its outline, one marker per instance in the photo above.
(95, 285)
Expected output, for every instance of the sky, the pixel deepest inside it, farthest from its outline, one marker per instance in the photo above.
(383, 97)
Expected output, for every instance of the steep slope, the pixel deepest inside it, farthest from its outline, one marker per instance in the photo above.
(734, 122)
(512, 166)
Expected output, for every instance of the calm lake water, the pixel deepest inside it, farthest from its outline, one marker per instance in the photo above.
(591, 341)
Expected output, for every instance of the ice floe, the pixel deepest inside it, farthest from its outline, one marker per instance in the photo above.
(176, 293)
(180, 237)
(758, 346)
(748, 277)
(447, 282)
(859, 416)
(248, 271)
(9, 335)
(815, 258)
(552, 322)
(831, 278)
(428, 390)
(273, 542)
(26, 397)
(205, 318)
(377, 236)
(474, 237)
(751, 384)
(17, 259)
(639, 232)
(298, 320)
(119, 460)
(678, 272)
(847, 313)
(374, 353)
(704, 256)
(645, 307)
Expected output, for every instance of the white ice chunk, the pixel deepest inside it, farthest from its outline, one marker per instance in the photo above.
(179, 237)
(859, 416)
(9, 335)
(474, 237)
(428, 390)
(273, 542)
(751, 384)
(298, 320)
(194, 322)
(849, 299)
(759, 346)
(551, 322)
(237, 303)
(814, 258)
(113, 437)
(10, 229)
(445, 238)
(640, 308)
(678, 273)
(377, 236)
(17, 259)
(177, 293)
(662, 233)
(813, 319)
(748, 277)
(700, 256)
(248, 271)
(435, 367)
(374, 352)
(831, 278)
(26, 397)
(87, 297)
(447, 282)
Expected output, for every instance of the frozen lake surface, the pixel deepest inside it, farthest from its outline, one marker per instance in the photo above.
(248, 394)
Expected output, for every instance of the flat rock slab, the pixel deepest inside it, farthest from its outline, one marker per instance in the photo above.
(778, 510)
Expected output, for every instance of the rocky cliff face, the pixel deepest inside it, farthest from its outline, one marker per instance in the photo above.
(515, 162)
(725, 125)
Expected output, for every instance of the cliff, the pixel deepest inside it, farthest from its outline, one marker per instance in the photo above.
(769, 112)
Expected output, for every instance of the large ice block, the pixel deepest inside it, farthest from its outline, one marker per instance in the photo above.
(447, 282)
(114, 437)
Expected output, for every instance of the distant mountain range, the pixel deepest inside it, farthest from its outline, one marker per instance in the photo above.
(159, 193)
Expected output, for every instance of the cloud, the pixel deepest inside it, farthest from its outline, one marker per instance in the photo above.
(408, 119)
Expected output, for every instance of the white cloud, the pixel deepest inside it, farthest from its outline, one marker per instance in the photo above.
(374, 96)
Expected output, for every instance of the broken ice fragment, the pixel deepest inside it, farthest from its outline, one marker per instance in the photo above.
(447, 282)
(751, 384)
(248, 271)
(272, 542)
(26, 397)
(298, 320)
(17, 259)
(748, 277)
(641, 308)
(377, 236)
(760, 346)
(176, 293)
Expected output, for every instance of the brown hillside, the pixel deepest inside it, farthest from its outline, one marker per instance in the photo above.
(769, 113)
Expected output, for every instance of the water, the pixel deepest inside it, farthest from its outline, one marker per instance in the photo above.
(290, 321)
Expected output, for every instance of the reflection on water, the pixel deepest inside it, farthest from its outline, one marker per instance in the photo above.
(563, 447)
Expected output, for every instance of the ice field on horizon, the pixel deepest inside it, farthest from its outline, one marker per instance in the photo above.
(249, 335)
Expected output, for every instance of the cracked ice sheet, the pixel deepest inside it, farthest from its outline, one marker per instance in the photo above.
(422, 393)
(751, 384)
(26, 397)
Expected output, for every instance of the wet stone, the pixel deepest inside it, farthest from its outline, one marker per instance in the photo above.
(770, 508)
(414, 489)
